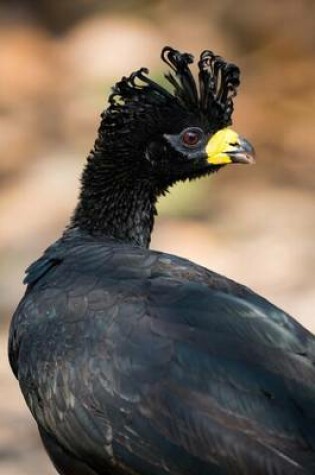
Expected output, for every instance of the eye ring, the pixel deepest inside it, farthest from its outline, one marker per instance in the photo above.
(192, 137)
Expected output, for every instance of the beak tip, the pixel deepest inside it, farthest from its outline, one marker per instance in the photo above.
(245, 154)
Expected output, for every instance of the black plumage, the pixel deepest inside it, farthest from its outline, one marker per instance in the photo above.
(138, 362)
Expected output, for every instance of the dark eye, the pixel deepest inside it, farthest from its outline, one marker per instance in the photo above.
(192, 137)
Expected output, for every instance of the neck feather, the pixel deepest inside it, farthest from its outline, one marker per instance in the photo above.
(116, 200)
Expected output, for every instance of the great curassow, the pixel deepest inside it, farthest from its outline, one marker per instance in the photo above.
(139, 362)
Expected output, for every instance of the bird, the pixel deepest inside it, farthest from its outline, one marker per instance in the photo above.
(134, 361)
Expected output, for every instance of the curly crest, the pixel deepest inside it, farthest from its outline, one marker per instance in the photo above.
(138, 98)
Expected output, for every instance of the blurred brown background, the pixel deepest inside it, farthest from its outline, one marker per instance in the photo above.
(58, 59)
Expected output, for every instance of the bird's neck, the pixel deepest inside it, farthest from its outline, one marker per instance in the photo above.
(116, 202)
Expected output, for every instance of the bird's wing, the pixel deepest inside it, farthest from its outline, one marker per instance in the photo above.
(242, 388)
(125, 361)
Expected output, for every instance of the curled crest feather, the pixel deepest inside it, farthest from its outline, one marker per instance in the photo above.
(218, 83)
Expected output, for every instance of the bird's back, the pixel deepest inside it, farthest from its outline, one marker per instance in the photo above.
(133, 358)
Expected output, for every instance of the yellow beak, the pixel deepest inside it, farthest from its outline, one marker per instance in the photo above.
(226, 146)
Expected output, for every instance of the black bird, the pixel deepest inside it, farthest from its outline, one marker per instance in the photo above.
(138, 362)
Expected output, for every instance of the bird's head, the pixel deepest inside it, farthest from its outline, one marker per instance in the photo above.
(179, 132)
(152, 136)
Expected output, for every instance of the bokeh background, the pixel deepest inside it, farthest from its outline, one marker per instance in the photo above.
(58, 59)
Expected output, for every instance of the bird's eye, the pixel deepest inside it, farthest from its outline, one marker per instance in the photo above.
(192, 137)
